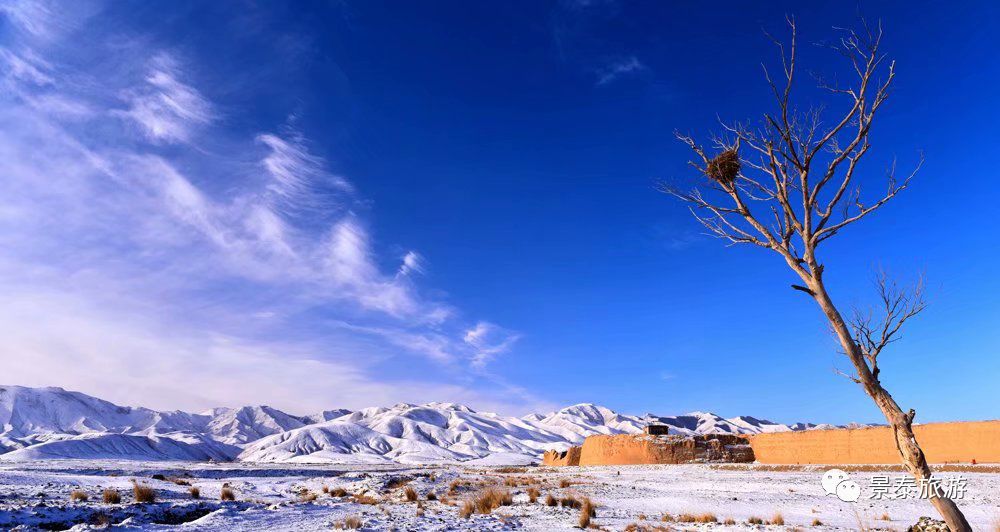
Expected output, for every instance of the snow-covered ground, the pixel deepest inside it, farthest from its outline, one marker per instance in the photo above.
(280, 497)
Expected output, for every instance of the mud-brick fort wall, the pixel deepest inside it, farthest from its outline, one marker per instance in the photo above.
(941, 442)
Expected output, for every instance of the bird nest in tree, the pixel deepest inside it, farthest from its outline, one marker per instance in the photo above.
(724, 167)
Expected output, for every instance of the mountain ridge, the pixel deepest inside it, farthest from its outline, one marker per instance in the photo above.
(52, 423)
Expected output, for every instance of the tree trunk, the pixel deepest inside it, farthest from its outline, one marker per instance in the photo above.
(901, 423)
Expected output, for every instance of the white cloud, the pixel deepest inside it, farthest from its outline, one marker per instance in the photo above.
(619, 68)
(164, 108)
(488, 341)
(134, 275)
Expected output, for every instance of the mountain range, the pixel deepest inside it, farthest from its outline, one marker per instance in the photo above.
(52, 423)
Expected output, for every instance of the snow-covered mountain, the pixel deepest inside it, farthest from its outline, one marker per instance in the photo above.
(47, 423)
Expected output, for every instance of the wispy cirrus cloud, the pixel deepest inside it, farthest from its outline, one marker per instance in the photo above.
(618, 68)
(249, 268)
(164, 108)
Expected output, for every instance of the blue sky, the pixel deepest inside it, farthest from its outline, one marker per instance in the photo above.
(341, 204)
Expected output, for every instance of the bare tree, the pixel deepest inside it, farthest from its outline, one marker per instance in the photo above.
(789, 184)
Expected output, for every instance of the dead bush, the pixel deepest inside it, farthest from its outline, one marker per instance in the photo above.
(227, 494)
(194, 492)
(143, 493)
(110, 496)
(410, 494)
(78, 496)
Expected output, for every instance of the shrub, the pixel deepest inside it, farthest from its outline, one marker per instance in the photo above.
(111, 496)
(326, 489)
(453, 486)
(885, 517)
(667, 518)
(466, 509)
(817, 522)
(307, 496)
(227, 494)
(565, 483)
(550, 500)
(410, 494)
(729, 521)
(361, 498)
(78, 496)
(431, 496)
(337, 492)
(511, 469)
(143, 493)
(778, 519)
(754, 520)
(195, 492)
(533, 494)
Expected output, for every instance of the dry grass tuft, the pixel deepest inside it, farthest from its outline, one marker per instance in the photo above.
(78, 496)
(565, 483)
(195, 492)
(361, 498)
(398, 482)
(111, 496)
(667, 518)
(490, 499)
(465, 511)
(699, 518)
(817, 522)
(227, 494)
(453, 486)
(325, 490)
(511, 469)
(411, 494)
(143, 493)
(754, 520)
(431, 496)
(885, 517)
(338, 492)
(588, 510)
(350, 523)
(307, 496)
(729, 521)
(533, 494)
(550, 500)
(778, 519)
